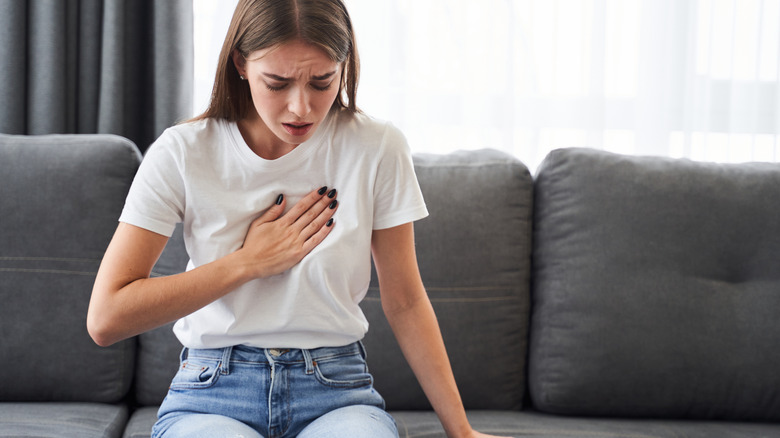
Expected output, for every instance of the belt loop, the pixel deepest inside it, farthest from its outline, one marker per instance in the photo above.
(226, 353)
(183, 355)
(309, 361)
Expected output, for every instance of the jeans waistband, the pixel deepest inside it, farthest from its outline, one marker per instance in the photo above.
(271, 356)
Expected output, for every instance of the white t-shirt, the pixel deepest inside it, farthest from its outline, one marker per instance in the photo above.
(204, 175)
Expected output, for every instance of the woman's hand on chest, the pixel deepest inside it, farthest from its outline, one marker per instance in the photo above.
(277, 241)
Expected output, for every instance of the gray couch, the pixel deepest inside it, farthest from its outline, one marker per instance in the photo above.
(608, 296)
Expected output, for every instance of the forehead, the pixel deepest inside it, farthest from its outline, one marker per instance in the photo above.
(292, 58)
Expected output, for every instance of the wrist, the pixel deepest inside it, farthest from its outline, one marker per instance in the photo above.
(467, 432)
(243, 267)
(458, 427)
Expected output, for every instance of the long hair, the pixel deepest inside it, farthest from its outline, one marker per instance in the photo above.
(261, 24)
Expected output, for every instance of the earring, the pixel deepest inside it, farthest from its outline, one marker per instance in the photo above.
(242, 77)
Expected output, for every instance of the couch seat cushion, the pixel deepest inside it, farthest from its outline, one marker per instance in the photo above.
(531, 424)
(141, 422)
(62, 420)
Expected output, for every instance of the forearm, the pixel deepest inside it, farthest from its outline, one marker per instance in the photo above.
(119, 312)
(417, 331)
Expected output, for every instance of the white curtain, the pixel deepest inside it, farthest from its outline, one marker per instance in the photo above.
(680, 78)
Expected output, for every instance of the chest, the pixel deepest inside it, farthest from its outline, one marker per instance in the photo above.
(223, 196)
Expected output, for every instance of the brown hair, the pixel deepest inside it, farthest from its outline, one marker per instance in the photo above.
(260, 24)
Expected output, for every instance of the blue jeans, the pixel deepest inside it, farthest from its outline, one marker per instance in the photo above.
(253, 392)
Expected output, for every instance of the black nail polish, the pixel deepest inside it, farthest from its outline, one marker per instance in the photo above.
(333, 204)
(279, 199)
(332, 193)
(322, 190)
(329, 223)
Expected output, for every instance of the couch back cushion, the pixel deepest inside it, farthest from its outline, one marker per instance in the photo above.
(158, 349)
(60, 198)
(656, 287)
(474, 255)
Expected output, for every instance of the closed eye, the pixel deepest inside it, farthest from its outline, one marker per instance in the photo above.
(279, 83)
(275, 87)
(320, 87)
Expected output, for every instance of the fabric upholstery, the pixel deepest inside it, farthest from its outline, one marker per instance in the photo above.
(157, 362)
(60, 197)
(474, 256)
(531, 424)
(656, 287)
(637, 309)
(158, 349)
(141, 423)
(62, 420)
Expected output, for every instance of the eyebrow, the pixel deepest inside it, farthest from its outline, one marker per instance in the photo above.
(284, 79)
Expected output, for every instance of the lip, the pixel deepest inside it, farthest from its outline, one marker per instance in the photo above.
(297, 129)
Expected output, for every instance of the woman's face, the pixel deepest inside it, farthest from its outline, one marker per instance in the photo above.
(293, 87)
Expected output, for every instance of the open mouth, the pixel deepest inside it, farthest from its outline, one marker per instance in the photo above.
(297, 129)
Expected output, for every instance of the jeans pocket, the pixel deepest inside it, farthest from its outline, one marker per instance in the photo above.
(197, 373)
(343, 372)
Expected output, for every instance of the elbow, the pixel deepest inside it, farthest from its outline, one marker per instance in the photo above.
(99, 333)
(101, 329)
(102, 341)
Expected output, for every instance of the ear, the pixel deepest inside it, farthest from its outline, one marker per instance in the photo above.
(239, 62)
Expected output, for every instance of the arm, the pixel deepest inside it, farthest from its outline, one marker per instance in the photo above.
(126, 302)
(410, 314)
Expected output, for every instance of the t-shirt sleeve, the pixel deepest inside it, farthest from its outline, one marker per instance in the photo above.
(397, 195)
(155, 201)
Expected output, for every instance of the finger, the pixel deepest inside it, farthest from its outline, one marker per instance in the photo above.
(324, 219)
(325, 203)
(319, 236)
(273, 212)
(305, 204)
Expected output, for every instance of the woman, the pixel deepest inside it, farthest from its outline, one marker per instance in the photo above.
(268, 308)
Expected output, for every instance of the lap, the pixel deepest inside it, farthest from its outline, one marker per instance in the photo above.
(204, 426)
(364, 421)
(315, 393)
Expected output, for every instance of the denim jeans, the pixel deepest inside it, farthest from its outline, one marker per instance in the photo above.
(253, 392)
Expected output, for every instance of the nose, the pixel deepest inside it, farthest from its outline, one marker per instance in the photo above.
(299, 102)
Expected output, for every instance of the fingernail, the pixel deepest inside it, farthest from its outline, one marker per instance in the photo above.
(332, 193)
(333, 205)
(279, 199)
(322, 190)
(329, 223)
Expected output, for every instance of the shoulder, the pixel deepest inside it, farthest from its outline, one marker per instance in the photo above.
(361, 123)
(193, 133)
(189, 139)
(368, 131)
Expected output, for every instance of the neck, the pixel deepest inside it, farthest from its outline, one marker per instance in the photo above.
(261, 140)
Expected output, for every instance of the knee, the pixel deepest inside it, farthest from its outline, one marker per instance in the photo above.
(364, 421)
(202, 425)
